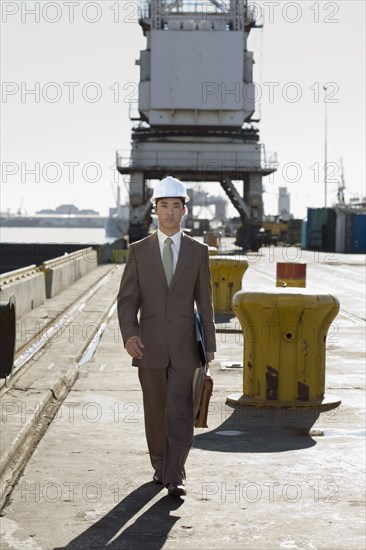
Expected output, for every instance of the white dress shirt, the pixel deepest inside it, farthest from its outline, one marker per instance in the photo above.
(175, 245)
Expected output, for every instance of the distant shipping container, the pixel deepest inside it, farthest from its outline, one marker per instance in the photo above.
(303, 234)
(341, 217)
(350, 231)
(321, 229)
(294, 231)
(355, 233)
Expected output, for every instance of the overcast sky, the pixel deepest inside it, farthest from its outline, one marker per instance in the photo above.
(79, 60)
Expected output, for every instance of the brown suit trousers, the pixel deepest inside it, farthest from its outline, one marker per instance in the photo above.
(168, 408)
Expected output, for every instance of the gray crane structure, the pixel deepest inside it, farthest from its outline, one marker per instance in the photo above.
(196, 102)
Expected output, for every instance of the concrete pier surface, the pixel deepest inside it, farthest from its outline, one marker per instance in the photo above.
(251, 483)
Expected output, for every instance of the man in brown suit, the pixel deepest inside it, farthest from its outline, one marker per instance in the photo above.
(163, 281)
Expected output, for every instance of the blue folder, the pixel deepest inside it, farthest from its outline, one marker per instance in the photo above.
(200, 338)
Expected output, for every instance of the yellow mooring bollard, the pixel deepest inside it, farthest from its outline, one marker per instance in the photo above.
(119, 256)
(284, 350)
(212, 251)
(226, 274)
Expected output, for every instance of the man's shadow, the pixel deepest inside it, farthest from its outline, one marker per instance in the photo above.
(238, 433)
(150, 530)
(265, 430)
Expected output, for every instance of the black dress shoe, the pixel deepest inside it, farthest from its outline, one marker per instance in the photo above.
(157, 479)
(176, 490)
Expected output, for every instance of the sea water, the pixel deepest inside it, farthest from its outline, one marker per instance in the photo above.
(79, 235)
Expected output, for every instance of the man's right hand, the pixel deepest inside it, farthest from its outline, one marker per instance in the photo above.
(134, 347)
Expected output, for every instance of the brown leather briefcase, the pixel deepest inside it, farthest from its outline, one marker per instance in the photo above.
(202, 391)
(202, 381)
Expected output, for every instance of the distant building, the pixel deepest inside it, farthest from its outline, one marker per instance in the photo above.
(45, 211)
(284, 204)
(89, 212)
(67, 209)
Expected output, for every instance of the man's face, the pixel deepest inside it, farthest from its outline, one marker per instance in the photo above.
(170, 212)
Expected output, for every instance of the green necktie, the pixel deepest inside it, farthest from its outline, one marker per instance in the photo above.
(168, 261)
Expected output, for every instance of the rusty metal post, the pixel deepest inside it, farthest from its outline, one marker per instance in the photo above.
(291, 274)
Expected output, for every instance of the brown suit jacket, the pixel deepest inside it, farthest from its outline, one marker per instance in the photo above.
(166, 321)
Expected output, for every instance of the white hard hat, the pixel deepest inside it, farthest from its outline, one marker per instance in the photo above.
(169, 187)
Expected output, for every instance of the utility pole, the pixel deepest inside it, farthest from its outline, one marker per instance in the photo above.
(325, 147)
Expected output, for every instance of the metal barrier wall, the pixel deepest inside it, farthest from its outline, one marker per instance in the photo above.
(31, 285)
(26, 285)
(62, 272)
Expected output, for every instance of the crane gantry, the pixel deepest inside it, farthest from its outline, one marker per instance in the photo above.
(196, 103)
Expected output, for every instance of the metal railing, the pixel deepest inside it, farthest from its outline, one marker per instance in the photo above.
(250, 12)
(194, 6)
(199, 161)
